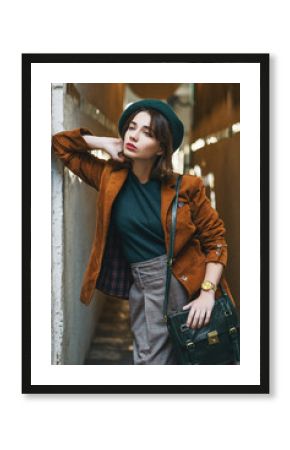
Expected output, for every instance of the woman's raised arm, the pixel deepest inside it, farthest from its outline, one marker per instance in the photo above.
(72, 148)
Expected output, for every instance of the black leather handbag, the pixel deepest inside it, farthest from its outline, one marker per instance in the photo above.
(216, 343)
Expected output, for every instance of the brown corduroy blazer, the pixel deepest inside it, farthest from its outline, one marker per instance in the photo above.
(199, 234)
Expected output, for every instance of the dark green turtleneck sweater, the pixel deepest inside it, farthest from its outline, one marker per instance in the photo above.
(136, 218)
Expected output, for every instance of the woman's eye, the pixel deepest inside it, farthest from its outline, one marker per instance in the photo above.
(145, 132)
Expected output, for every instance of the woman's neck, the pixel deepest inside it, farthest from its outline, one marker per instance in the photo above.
(142, 170)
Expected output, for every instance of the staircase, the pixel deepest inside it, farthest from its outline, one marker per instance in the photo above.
(113, 341)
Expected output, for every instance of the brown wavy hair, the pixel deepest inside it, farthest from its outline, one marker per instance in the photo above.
(162, 168)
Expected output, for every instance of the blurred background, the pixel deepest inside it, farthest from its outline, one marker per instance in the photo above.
(210, 112)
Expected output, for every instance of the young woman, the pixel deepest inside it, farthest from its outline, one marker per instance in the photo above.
(129, 253)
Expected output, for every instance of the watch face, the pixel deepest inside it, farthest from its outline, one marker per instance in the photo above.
(206, 285)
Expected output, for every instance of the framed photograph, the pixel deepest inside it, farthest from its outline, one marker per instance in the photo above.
(90, 294)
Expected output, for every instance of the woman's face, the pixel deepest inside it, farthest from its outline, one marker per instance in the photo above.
(139, 140)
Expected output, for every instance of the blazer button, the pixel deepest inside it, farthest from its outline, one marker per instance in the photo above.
(184, 277)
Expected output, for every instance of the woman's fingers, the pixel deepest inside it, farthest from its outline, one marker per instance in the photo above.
(191, 316)
(115, 147)
(121, 157)
(198, 318)
(199, 314)
(207, 317)
(187, 306)
(200, 321)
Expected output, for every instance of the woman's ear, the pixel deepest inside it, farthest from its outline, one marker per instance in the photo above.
(161, 151)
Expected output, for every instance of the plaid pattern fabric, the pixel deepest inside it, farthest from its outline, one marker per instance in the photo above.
(115, 277)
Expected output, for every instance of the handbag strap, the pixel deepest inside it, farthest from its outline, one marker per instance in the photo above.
(171, 248)
(170, 252)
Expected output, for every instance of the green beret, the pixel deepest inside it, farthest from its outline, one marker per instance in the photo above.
(175, 123)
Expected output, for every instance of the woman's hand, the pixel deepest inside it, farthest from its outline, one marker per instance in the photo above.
(200, 309)
(114, 146)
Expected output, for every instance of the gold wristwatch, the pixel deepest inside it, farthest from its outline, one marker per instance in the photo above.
(207, 285)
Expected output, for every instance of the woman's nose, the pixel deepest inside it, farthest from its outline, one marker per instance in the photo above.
(133, 135)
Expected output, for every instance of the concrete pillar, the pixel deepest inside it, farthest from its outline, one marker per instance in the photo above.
(57, 249)
(73, 227)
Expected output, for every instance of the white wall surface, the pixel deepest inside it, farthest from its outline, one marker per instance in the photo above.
(73, 227)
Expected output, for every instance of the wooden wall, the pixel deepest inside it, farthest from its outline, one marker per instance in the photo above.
(223, 160)
(217, 107)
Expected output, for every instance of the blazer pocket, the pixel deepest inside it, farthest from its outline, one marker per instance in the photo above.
(183, 213)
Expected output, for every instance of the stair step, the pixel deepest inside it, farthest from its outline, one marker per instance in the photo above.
(113, 340)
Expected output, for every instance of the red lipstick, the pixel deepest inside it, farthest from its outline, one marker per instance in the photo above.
(131, 146)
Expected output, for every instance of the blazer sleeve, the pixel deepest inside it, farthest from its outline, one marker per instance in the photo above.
(71, 148)
(210, 227)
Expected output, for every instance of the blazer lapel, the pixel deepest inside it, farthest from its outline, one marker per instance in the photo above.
(116, 181)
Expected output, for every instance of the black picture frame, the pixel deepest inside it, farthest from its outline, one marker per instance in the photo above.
(248, 58)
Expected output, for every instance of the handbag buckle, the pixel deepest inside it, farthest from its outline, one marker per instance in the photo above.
(189, 344)
(213, 337)
(232, 330)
